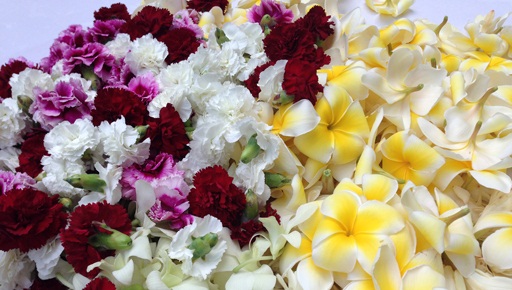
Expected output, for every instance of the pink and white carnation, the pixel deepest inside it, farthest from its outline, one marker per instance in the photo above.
(171, 205)
(187, 19)
(68, 101)
(145, 86)
(10, 180)
(277, 11)
(160, 172)
(93, 56)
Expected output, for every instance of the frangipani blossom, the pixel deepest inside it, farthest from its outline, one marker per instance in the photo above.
(495, 246)
(408, 85)
(352, 231)
(389, 7)
(407, 157)
(295, 119)
(339, 138)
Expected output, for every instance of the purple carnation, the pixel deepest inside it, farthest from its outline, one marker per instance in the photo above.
(93, 55)
(170, 206)
(104, 31)
(67, 102)
(145, 86)
(10, 180)
(159, 172)
(277, 11)
(120, 74)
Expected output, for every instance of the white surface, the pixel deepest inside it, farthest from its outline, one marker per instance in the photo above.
(28, 27)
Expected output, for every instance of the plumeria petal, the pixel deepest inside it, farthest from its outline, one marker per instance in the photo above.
(496, 248)
(338, 253)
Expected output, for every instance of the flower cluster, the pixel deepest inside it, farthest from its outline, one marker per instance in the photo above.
(271, 145)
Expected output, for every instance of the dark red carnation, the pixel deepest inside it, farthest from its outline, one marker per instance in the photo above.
(168, 134)
(85, 221)
(301, 81)
(32, 150)
(207, 5)
(112, 103)
(252, 82)
(53, 284)
(28, 219)
(216, 195)
(181, 42)
(317, 23)
(115, 11)
(156, 21)
(6, 71)
(100, 283)
(269, 211)
(246, 231)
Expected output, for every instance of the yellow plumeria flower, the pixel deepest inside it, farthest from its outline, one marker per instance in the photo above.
(373, 187)
(407, 157)
(352, 231)
(339, 138)
(347, 77)
(496, 245)
(295, 119)
(481, 61)
(483, 31)
(389, 7)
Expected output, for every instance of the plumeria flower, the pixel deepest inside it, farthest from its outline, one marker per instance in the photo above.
(408, 86)
(198, 247)
(484, 33)
(355, 228)
(339, 138)
(389, 7)
(495, 229)
(295, 119)
(407, 157)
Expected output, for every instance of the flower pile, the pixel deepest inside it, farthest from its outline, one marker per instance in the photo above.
(259, 145)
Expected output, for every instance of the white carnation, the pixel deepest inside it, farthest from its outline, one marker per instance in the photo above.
(169, 96)
(9, 158)
(146, 54)
(56, 171)
(179, 247)
(70, 141)
(120, 143)
(11, 123)
(271, 80)
(119, 46)
(24, 83)
(46, 258)
(15, 270)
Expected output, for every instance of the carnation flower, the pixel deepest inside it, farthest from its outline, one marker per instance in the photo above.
(94, 56)
(112, 103)
(168, 134)
(115, 11)
(14, 66)
(103, 223)
(32, 150)
(28, 219)
(170, 205)
(153, 20)
(10, 180)
(145, 86)
(46, 258)
(70, 141)
(23, 84)
(207, 5)
(100, 283)
(160, 171)
(198, 247)
(9, 158)
(317, 23)
(181, 42)
(119, 46)
(146, 55)
(12, 123)
(215, 194)
(188, 19)
(67, 102)
(301, 81)
(277, 12)
(120, 143)
(15, 270)
(105, 30)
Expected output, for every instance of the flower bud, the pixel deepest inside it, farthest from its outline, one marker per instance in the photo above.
(66, 202)
(251, 206)
(87, 181)
(142, 131)
(251, 150)
(203, 245)
(24, 103)
(276, 180)
(113, 241)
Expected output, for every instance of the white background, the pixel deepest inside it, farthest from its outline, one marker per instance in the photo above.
(28, 27)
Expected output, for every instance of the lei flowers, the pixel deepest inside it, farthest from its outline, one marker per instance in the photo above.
(259, 145)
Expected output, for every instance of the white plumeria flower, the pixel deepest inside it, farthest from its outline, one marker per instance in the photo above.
(198, 247)
(389, 7)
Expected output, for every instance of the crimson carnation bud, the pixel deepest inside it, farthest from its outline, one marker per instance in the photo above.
(111, 240)
(91, 182)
